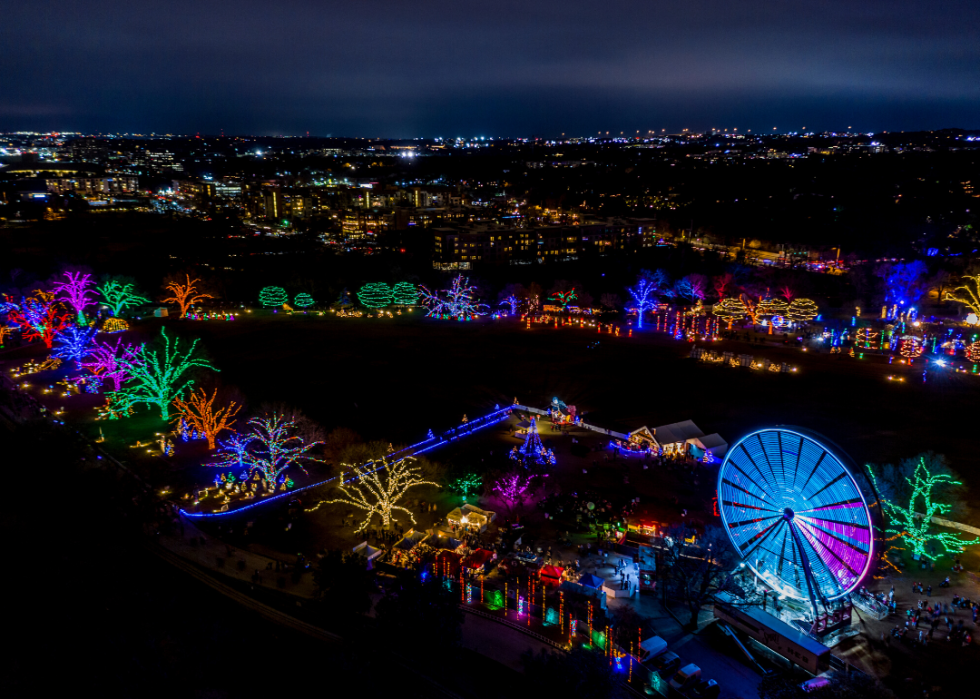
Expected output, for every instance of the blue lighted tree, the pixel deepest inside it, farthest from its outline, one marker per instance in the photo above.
(74, 343)
(532, 452)
(905, 282)
(644, 295)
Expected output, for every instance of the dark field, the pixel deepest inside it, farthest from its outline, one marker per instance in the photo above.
(393, 379)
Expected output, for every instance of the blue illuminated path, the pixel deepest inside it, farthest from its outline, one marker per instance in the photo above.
(426, 445)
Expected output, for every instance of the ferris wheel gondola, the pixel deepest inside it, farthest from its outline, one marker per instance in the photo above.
(795, 514)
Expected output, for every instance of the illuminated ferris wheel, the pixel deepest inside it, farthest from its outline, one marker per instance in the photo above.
(795, 514)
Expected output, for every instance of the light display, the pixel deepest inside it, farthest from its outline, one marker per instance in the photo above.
(115, 325)
(73, 343)
(513, 488)
(911, 346)
(456, 302)
(375, 295)
(914, 521)
(233, 452)
(39, 317)
(185, 295)
(157, 378)
(404, 294)
(376, 489)
(199, 413)
(273, 296)
(866, 337)
(118, 296)
(109, 361)
(968, 293)
(5, 331)
(973, 352)
(513, 302)
(532, 451)
(273, 447)
(466, 483)
(795, 514)
(769, 307)
(802, 310)
(304, 300)
(729, 309)
(77, 292)
(563, 297)
(644, 296)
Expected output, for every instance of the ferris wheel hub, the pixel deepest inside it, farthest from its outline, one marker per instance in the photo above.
(788, 514)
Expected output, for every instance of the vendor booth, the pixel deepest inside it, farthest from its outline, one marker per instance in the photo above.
(407, 551)
(470, 518)
(368, 553)
(590, 581)
(551, 575)
(478, 561)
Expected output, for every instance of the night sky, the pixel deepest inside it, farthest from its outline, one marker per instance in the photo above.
(396, 68)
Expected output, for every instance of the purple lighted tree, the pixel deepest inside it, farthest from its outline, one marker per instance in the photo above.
(532, 451)
(111, 361)
(78, 292)
(513, 488)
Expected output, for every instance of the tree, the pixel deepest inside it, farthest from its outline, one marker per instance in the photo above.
(375, 295)
(274, 447)
(459, 301)
(644, 296)
(581, 673)
(377, 488)
(404, 294)
(465, 482)
(913, 520)
(968, 293)
(199, 412)
(787, 292)
(109, 361)
(514, 488)
(74, 343)
(77, 292)
(343, 579)
(905, 282)
(730, 309)
(424, 616)
(273, 296)
(339, 439)
(802, 310)
(304, 300)
(156, 378)
(695, 573)
(185, 294)
(722, 283)
(693, 287)
(119, 296)
(562, 293)
(39, 317)
(512, 295)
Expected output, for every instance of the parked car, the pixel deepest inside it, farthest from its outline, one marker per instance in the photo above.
(665, 664)
(686, 677)
(705, 689)
(815, 683)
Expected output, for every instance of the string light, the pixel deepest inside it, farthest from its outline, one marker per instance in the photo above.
(115, 325)
(456, 302)
(185, 295)
(198, 412)
(304, 300)
(404, 294)
(119, 296)
(375, 295)
(643, 295)
(110, 361)
(76, 293)
(39, 317)
(802, 310)
(73, 344)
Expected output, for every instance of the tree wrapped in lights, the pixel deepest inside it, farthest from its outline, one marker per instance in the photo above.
(802, 310)
(465, 483)
(787, 292)
(968, 293)
(5, 331)
(304, 300)
(78, 292)
(377, 488)
(404, 294)
(514, 488)
(118, 296)
(157, 378)
(199, 412)
(233, 452)
(375, 295)
(274, 446)
(456, 302)
(532, 451)
(730, 310)
(644, 298)
(692, 287)
(273, 296)
(39, 317)
(115, 325)
(973, 352)
(73, 343)
(770, 308)
(185, 294)
(563, 298)
(866, 337)
(112, 362)
(513, 302)
(914, 520)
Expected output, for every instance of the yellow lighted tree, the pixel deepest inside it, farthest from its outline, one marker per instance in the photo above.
(185, 294)
(968, 293)
(200, 413)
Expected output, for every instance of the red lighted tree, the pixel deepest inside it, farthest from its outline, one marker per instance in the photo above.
(40, 317)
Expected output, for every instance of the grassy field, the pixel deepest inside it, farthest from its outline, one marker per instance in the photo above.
(393, 379)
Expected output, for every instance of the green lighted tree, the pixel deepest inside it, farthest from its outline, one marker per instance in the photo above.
(465, 483)
(119, 296)
(405, 294)
(157, 377)
(375, 295)
(304, 300)
(914, 521)
(273, 296)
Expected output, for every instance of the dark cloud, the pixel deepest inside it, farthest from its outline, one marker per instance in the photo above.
(436, 67)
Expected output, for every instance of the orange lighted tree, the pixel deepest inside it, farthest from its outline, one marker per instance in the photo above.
(199, 412)
(185, 294)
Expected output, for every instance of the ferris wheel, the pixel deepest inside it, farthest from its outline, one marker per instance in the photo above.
(795, 514)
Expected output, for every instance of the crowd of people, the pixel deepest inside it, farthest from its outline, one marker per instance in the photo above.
(928, 616)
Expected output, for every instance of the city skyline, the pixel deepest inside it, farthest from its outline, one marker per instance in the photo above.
(388, 70)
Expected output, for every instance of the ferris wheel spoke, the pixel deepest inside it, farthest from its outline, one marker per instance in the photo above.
(760, 537)
(833, 535)
(828, 485)
(815, 467)
(770, 484)
(750, 494)
(825, 551)
(729, 503)
(749, 479)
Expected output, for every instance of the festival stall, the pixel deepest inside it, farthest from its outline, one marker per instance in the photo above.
(551, 575)
(589, 581)
(478, 561)
(368, 553)
(407, 552)
(470, 518)
(708, 448)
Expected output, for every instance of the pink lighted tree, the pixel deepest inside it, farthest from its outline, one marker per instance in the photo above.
(111, 361)
(78, 292)
(514, 488)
